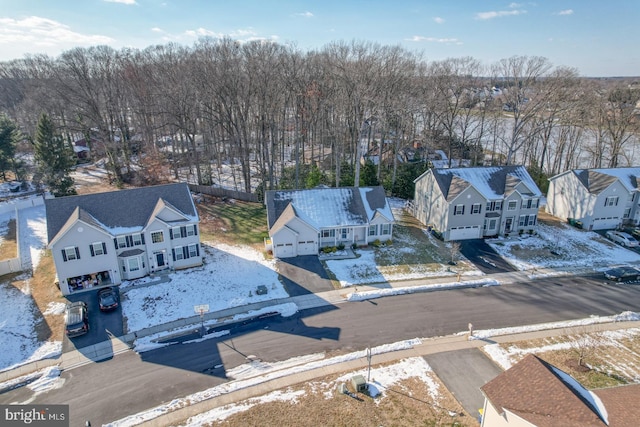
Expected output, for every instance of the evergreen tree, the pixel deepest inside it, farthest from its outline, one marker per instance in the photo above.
(9, 136)
(54, 158)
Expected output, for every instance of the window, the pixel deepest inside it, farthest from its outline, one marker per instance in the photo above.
(191, 230)
(458, 210)
(627, 212)
(494, 206)
(178, 253)
(193, 250)
(492, 224)
(134, 264)
(328, 233)
(121, 242)
(137, 239)
(532, 219)
(475, 208)
(157, 237)
(512, 205)
(98, 248)
(373, 230)
(523, 221)
(611, 201)
(344, 232)
(70, 253)
(385, 229)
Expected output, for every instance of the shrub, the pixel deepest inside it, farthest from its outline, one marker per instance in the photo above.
(341, 247)
(376, 243)
(388, 242)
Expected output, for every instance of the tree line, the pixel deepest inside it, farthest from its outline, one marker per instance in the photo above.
(272, 116)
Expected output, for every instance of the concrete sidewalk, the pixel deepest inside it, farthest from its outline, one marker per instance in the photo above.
(426, 347)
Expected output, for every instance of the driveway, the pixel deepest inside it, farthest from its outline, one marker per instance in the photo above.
(101, 325)
(303, 275)
(463, 372)
(484, 257)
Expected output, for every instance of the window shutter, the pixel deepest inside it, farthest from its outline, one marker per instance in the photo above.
(195, 229)
(77, 253)
(129, 241)
(64, 255)
(183, 231)
(142, 237)
(91, 250)
(104, 248)
(115, 243)
(171, 233)
(197, 249)
(185, 252)
(173, 252)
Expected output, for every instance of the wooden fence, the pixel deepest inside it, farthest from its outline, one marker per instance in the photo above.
(222, 192)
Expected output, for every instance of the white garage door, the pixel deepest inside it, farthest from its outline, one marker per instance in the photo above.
(606, 223)
(463, 233)
(284, 250)
(307, 248)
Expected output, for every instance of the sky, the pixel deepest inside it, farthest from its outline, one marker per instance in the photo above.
(596, 37)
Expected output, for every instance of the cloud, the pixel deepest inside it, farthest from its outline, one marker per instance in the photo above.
(499, 14)
(438, 20)
(157, 30)
(306, 14)
(121, 1)
(41, 34)
(565, 12)
(434, 40)
(241, 35)
(515, 5)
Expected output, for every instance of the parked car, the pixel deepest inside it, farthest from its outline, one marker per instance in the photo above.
(108, 299)
(622, 238)
(623, 274)
(76, 319)
(635, 232)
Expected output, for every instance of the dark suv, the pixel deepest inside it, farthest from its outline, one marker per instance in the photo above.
(76, 319)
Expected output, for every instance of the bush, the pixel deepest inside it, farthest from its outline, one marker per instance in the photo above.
(388, 242)
(341, 247)
(329, 249)
(376, 243)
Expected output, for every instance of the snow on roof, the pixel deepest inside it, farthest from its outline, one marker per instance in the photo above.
(588, 396)
(330, 207)
(489, 181)
(627, 176)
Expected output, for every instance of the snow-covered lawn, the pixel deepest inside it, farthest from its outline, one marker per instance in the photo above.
(229, 278)
(572, 248)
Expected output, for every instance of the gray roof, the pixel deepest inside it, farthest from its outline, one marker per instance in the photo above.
(129, 208)
(597, 180)
(493, 182)
(329, 207)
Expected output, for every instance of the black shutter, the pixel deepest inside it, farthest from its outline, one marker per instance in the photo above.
(173, 252)
(104, 248)
(171, 234)
(77, 253)
(91, 249)
(195, 229)
(183, 231)
(142, 237)
(64, 255)
(198, 250)
(185, 252)
(129, 241)
(115, 243)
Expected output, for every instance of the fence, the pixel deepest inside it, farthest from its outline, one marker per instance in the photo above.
(222, 192)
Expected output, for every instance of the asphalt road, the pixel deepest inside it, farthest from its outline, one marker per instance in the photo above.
(129, 383)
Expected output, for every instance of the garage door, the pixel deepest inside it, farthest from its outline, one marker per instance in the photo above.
(463, 233)
(307, 248)
(606, 223)
(284, 250)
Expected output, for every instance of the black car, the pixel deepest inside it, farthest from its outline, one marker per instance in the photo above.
(76, 319)
(623, 274)
(108, 299)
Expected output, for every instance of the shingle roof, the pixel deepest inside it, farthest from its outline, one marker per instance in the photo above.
(597, 180)
(329, 207)
(493, 182)
(622, 403)
(129, 208)
(544, 396)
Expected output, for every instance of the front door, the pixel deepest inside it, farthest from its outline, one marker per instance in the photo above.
(160, 259)
(508, 225)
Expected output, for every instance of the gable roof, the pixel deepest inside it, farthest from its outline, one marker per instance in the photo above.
(621, 403)
(329, 207)
(545, 396)
(118, 210)
(597, 180)
(493, 182)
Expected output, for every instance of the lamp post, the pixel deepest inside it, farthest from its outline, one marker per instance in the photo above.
(369, 360)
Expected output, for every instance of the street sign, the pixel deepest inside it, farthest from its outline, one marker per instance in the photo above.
(201, 309)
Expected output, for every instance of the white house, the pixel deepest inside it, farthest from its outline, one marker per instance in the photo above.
(600, 198)
(301, 222)
(105, 238)
(471, 203)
